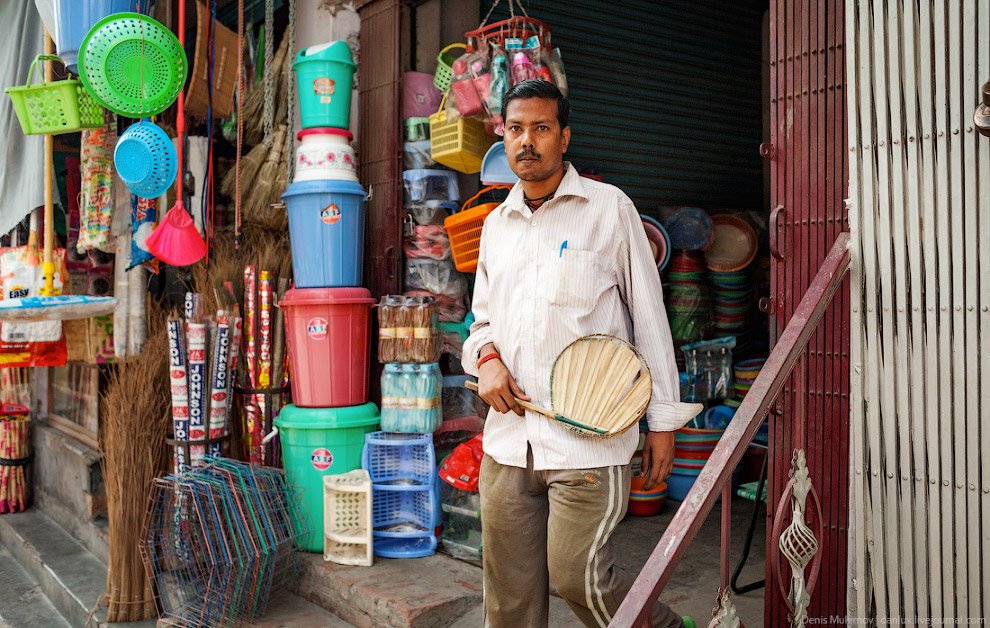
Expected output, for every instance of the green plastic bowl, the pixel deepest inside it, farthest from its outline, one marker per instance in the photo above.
(132, 65)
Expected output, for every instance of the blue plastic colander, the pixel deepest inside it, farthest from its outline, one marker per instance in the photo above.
(145, 159)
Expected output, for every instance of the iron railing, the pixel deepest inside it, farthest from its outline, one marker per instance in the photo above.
(797, 543)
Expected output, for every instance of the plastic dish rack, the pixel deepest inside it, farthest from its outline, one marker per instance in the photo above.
(399, 460)
(347, 518)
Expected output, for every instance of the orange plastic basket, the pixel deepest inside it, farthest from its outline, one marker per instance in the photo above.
(464, 229)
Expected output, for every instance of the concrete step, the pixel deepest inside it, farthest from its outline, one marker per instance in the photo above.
(433, 592)
(67, 574)
(22, 604)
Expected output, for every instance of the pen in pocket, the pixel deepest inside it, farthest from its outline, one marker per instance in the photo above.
(562, 247)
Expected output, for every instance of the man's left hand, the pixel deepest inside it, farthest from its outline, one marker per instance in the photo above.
(658, 458)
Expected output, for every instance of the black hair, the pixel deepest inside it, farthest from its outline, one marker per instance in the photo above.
(538, 88)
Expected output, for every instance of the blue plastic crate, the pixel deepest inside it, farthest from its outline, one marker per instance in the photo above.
(403, 512)
(405, 548)
(395, 459)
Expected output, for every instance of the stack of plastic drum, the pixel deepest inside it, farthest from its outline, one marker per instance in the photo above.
(327, 314)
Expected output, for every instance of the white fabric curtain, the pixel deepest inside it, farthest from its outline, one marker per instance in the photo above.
(22, 157)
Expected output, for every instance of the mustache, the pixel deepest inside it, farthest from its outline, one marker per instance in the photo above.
(527, 153)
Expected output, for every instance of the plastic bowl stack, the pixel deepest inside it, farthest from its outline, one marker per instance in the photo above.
(689, 306)
(733, 296)
(745, 374)
(645, 503)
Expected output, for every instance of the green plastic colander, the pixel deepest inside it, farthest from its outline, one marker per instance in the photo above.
(132, 65)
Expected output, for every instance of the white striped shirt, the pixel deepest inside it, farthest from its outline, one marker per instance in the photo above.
(580, 264)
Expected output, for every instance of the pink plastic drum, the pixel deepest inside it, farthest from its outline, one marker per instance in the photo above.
(327, 333)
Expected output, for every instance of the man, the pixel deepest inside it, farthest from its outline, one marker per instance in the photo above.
(561, 258)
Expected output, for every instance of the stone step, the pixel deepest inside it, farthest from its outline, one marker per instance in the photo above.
(433, 592)
(22, 604)
(69, 576)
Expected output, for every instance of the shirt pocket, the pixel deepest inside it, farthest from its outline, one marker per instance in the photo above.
(578, 280)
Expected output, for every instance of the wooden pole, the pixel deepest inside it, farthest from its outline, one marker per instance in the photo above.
(49, 267)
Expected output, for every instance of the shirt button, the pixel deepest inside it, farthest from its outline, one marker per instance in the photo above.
(534, 223)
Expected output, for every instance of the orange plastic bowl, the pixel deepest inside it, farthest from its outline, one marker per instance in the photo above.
(645, 503)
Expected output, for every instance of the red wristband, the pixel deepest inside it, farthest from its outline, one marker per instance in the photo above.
(490, 356)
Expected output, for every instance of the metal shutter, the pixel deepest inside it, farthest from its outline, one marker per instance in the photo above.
(666, 96)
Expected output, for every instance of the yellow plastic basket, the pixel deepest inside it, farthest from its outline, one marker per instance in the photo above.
(461, 144)
(56, 107)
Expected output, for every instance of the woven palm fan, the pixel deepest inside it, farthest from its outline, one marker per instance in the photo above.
(600, 386)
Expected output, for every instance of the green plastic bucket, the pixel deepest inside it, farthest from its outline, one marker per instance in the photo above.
(324, 75)
(318, 442)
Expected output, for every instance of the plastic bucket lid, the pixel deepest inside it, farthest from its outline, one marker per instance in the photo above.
(326, 296)
(323, 186)
(292, 417)
(335, 51)
(325, 130)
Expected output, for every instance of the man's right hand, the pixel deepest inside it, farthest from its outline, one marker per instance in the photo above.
(497, 387)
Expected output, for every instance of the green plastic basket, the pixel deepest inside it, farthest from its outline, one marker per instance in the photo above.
(55, 107)
(445, 62)
(132, 64)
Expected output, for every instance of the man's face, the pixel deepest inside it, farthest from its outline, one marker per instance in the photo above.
(534, 142)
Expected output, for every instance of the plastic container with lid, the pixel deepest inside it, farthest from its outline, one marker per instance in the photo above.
(326, 230)
(317, 442)
(327, 334)
(324, 76)
(325, 153)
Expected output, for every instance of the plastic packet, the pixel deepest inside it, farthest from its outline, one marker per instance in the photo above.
(417, 155)
(432, 212)
(709, 365)
(436, 276)
(388, 322)
(535, 52)
(689, 310)
(463, 88)
(499, 82)
(450, 309)
(428, 241)
(552, 60)
(431, 185)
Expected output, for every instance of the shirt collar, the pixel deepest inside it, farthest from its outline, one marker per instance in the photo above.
(571, 185)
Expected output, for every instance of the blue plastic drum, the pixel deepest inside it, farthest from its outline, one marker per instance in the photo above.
(326, 230)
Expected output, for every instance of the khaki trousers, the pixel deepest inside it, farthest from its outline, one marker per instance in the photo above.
(539, 526)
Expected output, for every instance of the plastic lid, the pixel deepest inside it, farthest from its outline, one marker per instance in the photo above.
(294, 417)
(325, 130)
(326, 296)
(324, 186)
(337, 51)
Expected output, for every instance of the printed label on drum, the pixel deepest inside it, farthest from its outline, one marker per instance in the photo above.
(330, 214)
(317, 328)
(323, 87)
(321, 459)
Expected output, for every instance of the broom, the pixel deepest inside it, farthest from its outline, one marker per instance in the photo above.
(135, 419)
(176, 240)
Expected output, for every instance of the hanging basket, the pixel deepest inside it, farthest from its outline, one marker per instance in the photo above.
(460, 144)
(55, 107)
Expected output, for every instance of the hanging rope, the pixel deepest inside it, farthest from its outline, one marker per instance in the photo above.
(291, 94)
(240, 122)
(267, 118)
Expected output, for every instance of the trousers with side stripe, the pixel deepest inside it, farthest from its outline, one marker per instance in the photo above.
(543, 526)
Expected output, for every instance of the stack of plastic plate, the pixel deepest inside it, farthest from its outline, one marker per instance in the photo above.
(733, 295)
(688, 299)
(659, 240)
(733, 246)
(690, 228)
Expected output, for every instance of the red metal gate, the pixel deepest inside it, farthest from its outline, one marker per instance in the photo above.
(809, 175)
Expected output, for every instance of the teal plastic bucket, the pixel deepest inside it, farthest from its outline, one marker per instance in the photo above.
(318, 442)
(324, 75)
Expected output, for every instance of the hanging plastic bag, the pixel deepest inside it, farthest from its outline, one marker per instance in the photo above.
(709, 367)
(95, 210)
(499, 82)
(40, 343)
(436, 276)
(428, 241)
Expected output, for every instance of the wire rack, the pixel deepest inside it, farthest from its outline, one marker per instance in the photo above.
(219, 541)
